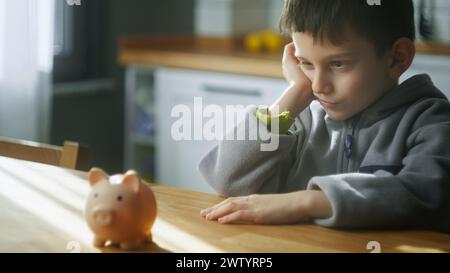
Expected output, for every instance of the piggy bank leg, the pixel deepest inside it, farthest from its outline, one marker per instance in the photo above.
(132, 245)
(115, 244)
(149, 238)
(99, 242)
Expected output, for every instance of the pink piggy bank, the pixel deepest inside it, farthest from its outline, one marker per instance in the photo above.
(120, 209)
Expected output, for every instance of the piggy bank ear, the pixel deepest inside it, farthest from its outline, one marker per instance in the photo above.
(96, 175)
(132, 180)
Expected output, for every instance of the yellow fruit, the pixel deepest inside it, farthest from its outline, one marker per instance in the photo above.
(272, 41)
(253, 42)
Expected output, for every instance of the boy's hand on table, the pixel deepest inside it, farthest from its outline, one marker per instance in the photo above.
(271, 208)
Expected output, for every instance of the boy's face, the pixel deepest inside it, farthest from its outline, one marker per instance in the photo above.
(346, 78)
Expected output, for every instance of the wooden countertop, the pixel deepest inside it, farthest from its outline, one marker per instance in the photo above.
(216, 55)
(42, 211)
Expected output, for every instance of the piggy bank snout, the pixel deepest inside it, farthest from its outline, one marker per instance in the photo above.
(102, 216)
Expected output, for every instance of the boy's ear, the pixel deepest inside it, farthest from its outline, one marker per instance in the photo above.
(401, 57)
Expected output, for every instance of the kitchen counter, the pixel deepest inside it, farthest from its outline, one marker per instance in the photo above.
(217, 55)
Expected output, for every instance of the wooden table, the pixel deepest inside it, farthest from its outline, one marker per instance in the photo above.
(41, 210)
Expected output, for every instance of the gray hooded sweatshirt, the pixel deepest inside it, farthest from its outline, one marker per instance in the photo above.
(387, 167)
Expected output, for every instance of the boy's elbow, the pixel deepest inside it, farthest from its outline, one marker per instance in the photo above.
(217, 178)
(221, 183)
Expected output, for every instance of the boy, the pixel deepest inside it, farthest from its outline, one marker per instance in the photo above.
(364, 151)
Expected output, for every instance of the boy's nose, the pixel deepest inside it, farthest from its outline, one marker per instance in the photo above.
(321, 84)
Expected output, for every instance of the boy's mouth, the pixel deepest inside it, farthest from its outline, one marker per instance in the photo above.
(327, 104)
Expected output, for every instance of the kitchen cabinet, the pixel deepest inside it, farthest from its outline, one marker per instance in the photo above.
(177, 160)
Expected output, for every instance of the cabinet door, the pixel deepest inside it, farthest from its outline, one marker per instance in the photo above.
(177, 161)
(438, 67)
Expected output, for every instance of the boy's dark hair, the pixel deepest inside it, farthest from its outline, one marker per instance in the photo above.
(381, 24)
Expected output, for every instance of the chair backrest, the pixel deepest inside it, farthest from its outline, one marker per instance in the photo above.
(72, 155)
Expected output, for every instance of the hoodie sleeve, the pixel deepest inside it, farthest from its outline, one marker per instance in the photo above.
(241, 167)
(417, 197)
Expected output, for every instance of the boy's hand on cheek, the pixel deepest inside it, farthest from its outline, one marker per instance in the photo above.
(299, 94)
(292, 71)
(264, 209)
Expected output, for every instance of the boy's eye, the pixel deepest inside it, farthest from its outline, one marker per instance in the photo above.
(338, 64)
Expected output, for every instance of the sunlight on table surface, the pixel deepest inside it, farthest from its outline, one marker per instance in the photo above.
(41, 210)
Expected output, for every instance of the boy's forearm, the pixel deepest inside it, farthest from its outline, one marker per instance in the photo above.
(292, 100)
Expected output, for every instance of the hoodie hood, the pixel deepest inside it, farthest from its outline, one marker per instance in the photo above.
(412, 90)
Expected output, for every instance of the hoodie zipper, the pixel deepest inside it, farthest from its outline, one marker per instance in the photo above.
(350, 126)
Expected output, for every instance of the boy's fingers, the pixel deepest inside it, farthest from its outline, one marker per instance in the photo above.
(290, 49)
(204, 212)
(219, 212)
(290, 46)
(234, 202)
(222, 203)
(223, 210)
(289, 55)
(216, 206)
(240, 216)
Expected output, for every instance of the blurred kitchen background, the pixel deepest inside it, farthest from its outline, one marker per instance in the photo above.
(106, 73)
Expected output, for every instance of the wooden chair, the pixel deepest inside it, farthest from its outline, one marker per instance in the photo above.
(72, 155)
